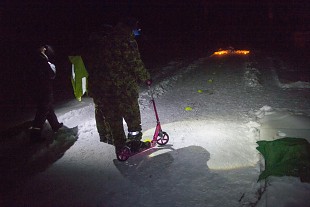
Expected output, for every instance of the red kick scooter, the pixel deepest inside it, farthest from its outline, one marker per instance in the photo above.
(160, 137)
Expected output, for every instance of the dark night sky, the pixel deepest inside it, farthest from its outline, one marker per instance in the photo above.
(68, 23)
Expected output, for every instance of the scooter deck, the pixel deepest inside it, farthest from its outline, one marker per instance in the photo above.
(127, 151)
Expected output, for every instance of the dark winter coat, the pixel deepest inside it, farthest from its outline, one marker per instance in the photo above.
(41, 79)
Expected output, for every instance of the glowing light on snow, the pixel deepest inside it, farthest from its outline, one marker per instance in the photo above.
(242, 52)
(221, 140)
(231, 52)
(221, 52)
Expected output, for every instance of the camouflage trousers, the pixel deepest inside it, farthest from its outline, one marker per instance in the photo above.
(110, 111)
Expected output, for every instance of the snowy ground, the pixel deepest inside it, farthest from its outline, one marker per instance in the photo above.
(214, 110)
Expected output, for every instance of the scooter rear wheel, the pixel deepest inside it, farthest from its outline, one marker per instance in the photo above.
(123, 154)
(164, 139)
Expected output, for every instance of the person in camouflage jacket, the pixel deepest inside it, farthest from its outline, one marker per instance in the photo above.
(115, 72)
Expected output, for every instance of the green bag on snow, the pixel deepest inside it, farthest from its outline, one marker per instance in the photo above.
(286, 157)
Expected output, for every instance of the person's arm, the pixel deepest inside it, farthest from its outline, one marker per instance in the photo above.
(133, 57)
(45, 69)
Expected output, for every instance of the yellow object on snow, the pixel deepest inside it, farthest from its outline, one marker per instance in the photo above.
(199, 91)
(188, 108)
(147, 140)
(79, 77)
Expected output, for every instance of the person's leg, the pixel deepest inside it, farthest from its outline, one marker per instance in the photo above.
(110, 123)
(116, 123)
(52, 119)
(131, 112)
(38, 122)
(40, 117)
(103, 126)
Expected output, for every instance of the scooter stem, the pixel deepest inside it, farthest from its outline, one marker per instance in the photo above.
(153, 102)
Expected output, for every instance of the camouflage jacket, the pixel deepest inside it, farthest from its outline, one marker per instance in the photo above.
(114, 64)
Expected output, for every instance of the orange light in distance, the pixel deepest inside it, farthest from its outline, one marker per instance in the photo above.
(233, 52)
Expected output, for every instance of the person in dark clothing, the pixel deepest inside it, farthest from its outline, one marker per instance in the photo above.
(43, 74)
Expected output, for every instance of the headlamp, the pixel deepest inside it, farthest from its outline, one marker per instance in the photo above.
(136, 32)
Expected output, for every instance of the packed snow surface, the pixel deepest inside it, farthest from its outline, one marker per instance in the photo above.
(214, 109)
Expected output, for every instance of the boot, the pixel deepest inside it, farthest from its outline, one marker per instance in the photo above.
(137, 145)
(35, 135)
(55, 129)
(145, 145)
(137, 135)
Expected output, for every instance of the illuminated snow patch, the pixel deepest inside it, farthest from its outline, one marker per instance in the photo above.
(228, 143)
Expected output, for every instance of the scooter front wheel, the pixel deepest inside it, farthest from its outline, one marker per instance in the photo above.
(123, 154)
(163, 139)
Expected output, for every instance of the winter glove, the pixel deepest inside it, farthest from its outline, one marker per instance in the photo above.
(148, 82)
